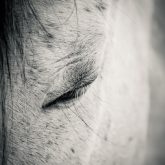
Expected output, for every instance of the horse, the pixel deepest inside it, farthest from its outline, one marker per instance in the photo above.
(76, 82)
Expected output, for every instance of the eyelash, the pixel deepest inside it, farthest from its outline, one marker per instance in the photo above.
(67, 97)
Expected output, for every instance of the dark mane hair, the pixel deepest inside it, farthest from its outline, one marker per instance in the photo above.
(10, 47)
(14, 16)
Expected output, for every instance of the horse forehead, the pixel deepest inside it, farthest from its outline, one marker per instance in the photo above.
(72, 6)
(51, 2)
(76, 31)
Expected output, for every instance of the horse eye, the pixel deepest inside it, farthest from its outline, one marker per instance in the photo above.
(66, 93)
(67, 98)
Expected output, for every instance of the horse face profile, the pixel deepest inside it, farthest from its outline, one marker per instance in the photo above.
(84, 96)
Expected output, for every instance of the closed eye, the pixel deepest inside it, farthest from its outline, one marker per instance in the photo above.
(67, 98)
(70, 89)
